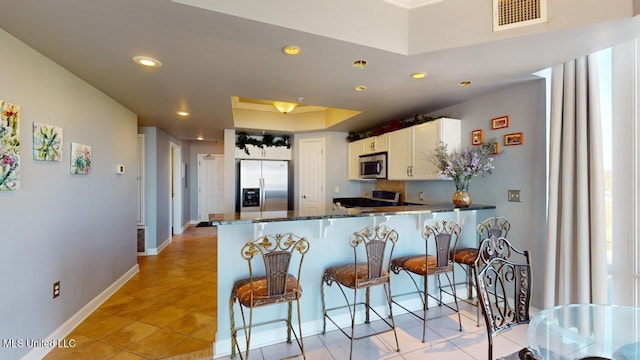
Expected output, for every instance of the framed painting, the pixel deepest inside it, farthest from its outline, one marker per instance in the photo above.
(513, 139)
(47, 142)
(9, 146)
(500, 122)
(476, 137)
(80, 159)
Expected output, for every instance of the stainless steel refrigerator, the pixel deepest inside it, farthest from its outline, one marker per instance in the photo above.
(264, 185)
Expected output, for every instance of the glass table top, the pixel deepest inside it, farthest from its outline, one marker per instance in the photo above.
(582, 330)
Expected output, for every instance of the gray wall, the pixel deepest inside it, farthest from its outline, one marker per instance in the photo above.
(79, 230)
(157, 148)
(518, 167)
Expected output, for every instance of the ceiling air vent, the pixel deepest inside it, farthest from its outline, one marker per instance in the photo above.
(509, 14)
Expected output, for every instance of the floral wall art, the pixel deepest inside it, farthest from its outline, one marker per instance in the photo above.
(9, 146)
(80, 159)
(47, 142)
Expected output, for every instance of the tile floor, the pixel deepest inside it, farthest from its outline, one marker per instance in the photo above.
(444, 340)
(168, 311)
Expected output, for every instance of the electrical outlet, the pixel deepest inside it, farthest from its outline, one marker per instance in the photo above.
(336, 189)
(513, 195)
(56, 289)
(421, 196)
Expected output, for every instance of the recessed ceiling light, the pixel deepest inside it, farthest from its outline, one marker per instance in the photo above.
(465, 83)
(360, 88)
(360, 63)
(147, 61)
(291, 50)
(418, 75)
(183, 113)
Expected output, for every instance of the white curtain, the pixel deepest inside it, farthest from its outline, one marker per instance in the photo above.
(576, 264)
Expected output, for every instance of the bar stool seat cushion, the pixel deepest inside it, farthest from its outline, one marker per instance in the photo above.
(242, 290)
(346, 275)
(465, 256)
(415, 263)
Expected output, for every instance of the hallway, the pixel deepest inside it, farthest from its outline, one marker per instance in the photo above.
(166, 311)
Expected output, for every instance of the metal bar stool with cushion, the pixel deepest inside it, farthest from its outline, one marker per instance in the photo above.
(503, 281)
(370, 267)
(445, 236)
(276, 286)
(492, 227)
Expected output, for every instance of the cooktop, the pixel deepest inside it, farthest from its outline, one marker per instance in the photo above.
(377, 198)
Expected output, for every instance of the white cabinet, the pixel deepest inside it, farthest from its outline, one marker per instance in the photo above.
(410, 148)
(365, 146)
(374, 144)
(354, 150)
(266, 153)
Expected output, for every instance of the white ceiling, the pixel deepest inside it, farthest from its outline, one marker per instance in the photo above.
(213, 50)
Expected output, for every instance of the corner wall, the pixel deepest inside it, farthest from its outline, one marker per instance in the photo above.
(76, 229)
(520, 167)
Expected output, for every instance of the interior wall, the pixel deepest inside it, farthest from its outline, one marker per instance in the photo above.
(520, 167)
(76, 229)
(158, 185)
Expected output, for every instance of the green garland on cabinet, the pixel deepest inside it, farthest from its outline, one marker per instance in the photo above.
(392, 125)
(243, 139)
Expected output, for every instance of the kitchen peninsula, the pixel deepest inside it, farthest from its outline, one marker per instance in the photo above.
(328, 236)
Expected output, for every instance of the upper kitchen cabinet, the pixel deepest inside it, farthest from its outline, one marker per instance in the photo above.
(409, 149)
(365, 146)
(375, 144)
(354, 150)
(264, 153)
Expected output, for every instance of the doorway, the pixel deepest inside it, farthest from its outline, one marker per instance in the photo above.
(311, 176)
(175, 189)
(210, 185)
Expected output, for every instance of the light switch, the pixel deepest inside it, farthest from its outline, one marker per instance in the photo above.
(513, 195)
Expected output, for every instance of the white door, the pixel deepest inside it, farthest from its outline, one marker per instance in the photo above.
(210, 185)
(140, 179)
(311, 176)
(175, 191)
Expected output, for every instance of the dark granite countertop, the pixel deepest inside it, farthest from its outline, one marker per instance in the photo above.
(292, 215)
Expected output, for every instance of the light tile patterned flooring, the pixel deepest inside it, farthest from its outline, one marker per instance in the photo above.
(168, 311)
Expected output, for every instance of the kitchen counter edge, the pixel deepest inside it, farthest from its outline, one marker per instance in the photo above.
(291, 215)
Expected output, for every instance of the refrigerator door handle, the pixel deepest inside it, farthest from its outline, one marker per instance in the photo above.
(262, 194)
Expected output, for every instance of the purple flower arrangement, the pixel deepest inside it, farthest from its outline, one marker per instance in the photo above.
(462, 164)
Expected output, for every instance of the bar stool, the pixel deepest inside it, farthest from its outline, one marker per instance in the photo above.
(365, 272)
(445, 236)
(276, 286)
(493, 227)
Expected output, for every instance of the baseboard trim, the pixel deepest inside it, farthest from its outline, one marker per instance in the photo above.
(65, 329)
(158, 250)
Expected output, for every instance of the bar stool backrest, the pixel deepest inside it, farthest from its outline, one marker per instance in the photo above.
(276, 251)
(375, 239)
(446, 234)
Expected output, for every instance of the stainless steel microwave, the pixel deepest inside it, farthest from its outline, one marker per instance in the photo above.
(373, 166)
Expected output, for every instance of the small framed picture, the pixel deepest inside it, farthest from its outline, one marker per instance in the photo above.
(496, 148)
(476, 137)
(513, 139)
(500, 122)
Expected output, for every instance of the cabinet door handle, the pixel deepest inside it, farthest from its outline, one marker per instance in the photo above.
(408, 167)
